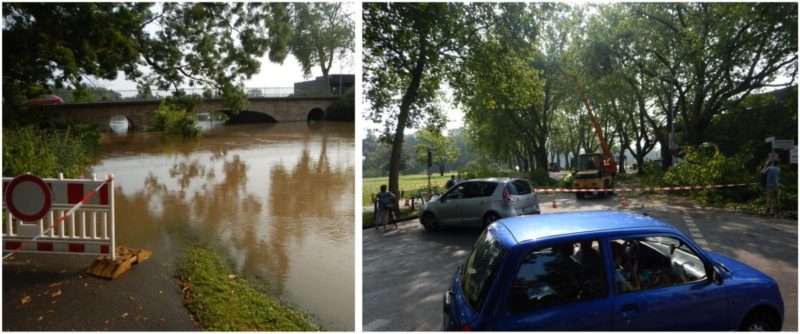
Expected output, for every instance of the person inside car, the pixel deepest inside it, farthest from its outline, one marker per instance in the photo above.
(625, 273)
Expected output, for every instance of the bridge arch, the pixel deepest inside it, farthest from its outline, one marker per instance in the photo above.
(249, 116)
(316, 114)
(120, 123)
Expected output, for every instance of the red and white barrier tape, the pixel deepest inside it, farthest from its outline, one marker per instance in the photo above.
(634, 189)
(64, 217)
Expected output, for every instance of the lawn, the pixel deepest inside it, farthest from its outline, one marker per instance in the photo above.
(408, 183)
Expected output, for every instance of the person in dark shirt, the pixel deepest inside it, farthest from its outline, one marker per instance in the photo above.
(385, 200)
(450, 183)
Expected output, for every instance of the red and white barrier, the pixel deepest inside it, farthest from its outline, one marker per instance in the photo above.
(79, 218)
(634, 189)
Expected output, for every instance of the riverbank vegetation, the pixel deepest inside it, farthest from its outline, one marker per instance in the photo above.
(223, 301)
(176, 117)
(344, 109)
(46, 149)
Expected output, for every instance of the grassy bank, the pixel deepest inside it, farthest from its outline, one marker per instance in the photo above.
(409, 183)
(222, 301)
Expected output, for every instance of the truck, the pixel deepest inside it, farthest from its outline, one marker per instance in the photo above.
(595, 170)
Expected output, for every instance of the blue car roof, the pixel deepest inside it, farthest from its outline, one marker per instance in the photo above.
(524, 228)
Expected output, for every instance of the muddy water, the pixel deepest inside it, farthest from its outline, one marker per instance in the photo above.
(277, 199)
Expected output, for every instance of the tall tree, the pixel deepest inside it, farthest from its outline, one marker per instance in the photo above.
(707, 54)
(322, 32)
(500, 88)
(406, 49)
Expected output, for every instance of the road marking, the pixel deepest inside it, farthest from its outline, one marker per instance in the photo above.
(695, 232)
(378, 323)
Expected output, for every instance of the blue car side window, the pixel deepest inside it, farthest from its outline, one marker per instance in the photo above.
(563, 273)
(654, 262)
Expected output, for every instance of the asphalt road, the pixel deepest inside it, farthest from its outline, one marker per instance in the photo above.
(406, 271)
(52, 293)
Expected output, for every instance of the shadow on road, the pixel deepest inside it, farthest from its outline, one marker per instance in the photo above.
(417, 266)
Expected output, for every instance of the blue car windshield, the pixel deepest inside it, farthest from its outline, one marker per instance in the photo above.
(480, 269)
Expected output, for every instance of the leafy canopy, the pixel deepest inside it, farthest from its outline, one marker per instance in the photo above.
(322, 32)
(215, 46)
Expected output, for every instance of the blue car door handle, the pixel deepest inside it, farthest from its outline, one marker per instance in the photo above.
(630, 307)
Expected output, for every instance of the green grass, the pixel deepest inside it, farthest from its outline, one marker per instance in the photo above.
(408, 183)
(221, 301)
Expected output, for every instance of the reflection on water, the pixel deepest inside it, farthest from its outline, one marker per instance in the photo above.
(276, 198)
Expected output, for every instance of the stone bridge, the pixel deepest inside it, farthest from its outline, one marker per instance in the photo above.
(140, 113)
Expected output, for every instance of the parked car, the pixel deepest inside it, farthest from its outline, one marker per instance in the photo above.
(604, 271)
(480, 202)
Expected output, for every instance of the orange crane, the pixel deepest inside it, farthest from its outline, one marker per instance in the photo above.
(595, 170)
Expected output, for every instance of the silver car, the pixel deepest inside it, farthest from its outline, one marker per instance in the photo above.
(480, 202)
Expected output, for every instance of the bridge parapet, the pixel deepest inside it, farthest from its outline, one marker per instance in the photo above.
(159, 95)
(140, 113)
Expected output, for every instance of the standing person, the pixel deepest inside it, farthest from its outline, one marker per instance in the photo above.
(385, 201)
(450, 183)
(772, 173)
(569, 178)
(459, 179)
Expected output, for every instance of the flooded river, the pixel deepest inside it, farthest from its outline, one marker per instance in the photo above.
(276, 199)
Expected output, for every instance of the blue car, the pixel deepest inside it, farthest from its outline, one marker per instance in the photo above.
(604, 271)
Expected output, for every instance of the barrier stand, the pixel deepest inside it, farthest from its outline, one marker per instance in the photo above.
(126, 257)
(42, 233)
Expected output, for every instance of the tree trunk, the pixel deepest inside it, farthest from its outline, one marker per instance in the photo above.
(541, 157)
(666, 155)
(639, 163)
(326, 80)
(402, 118)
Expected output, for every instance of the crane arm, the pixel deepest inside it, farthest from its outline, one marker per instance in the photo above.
(608, 158)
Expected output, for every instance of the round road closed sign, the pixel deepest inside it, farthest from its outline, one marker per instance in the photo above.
(28, 198)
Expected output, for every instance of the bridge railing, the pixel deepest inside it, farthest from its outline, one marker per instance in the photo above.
(157, 95)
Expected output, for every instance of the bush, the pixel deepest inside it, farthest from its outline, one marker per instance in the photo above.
(175, 118)
(542, 178)
(344, 109)
(474, 170)
(653, 175)
(706, 165)
(46, 153)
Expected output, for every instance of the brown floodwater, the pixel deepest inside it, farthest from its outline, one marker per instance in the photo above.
(275, 199)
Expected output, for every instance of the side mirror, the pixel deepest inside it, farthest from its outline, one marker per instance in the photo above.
(716, 276)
